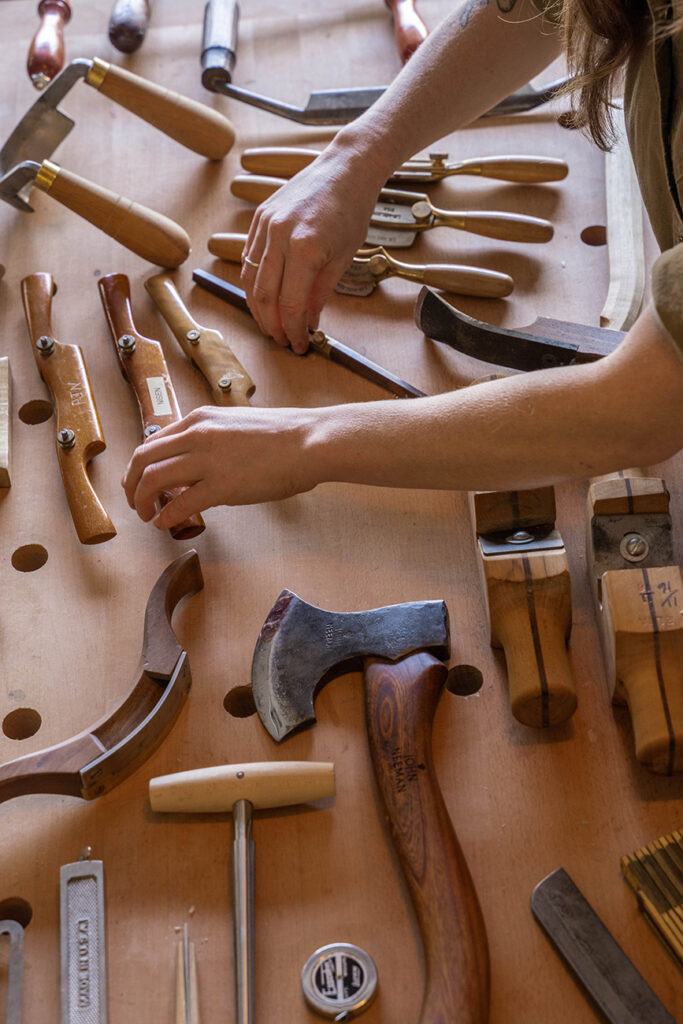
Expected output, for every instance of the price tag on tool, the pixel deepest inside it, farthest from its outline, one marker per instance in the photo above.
(339, 980)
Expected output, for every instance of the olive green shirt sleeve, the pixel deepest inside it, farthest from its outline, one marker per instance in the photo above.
(667, 293)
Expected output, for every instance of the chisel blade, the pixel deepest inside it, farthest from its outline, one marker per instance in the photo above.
(598, 961)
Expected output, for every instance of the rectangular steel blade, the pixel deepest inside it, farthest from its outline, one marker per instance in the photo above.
(599, 962)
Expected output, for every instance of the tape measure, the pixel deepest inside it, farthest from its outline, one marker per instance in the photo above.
(339, 980)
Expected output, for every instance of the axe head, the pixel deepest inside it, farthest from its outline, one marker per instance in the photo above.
(299, 643)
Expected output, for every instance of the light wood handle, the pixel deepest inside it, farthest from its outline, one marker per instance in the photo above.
(529, 598)
(400, 703)
(526, 169)
(255, 187)
(227, 246)
(128, 24)
(263, 784)
(149, 235)
(467, 280)
(46, 52)
(283, 161)
(190, 123)
(409, 28)
(511, 227)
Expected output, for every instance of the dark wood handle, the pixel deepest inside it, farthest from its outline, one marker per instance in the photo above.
(409, 28)
(400, 702)
(128, 24)
(46, 52)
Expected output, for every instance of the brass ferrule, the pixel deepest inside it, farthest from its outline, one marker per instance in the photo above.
(46, 176)
(97, 73)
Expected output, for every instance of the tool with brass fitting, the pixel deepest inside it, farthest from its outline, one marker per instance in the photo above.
(15, 970)
(79, 436)
(83, 944)
(5, 423)
(655, 873)
(399, 215)
(285, 161)
(144, 367)
(230, 383)
(46, 52)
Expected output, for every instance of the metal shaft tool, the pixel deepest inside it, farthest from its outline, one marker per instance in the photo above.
(83, 951)
(239, 790)
(15, 970)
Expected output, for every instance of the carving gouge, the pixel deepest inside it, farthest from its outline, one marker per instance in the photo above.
(409, 28)
(144, 367)
(320, 342)
(79, 433)
(46, 52)
(399, 215)
(370, 266)
(230, 383)
(285, 161)
(128, 24)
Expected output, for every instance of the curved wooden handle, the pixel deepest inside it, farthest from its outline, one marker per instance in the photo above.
(530, 613)
(190, 123)
(511, 227)
(458, 280)
(227, 245)
(528, 169)
(93, 524)
(400, 702)
(409, 28)
(255, 187)
(46, 52)
(149, 235)
(283, 161)
(128, 24)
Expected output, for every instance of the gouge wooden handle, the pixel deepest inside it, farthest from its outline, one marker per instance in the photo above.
(409, 28)
(46, 52)
(283, 161)
(150, 235)
(643, 641)
(523, 169)
(511, 227)
(400, 703)
(192, 124)
(254, 187)
(227, 245)
(128, 24)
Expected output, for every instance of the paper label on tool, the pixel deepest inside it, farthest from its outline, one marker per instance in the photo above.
(159, 395)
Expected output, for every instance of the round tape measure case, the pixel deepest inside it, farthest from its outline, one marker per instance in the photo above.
(339, 980)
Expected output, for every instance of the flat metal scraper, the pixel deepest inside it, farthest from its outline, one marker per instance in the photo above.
(83, 973)
(599, 962)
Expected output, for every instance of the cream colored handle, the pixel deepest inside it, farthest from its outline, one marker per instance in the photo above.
(510, 227)
(255, 187)
(190, 123)
(263, 784)
(528, 169)
(478, 281)
(227, 246)
(284, 161)
(150, 235)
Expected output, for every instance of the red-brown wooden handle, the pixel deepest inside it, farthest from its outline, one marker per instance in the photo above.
(409, 28)
(128, 24)
(46, 52)
(400, 703)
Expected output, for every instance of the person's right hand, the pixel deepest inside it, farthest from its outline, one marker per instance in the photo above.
(304, 237)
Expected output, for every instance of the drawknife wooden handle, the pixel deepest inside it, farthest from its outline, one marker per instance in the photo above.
(227, 245)
(510, 227)
(128, 24)
(400, 703)
(79, 436)
(190, 123)
(46, 52)
(409, 28)
(148, 234)
(523, 169)
(255, 187)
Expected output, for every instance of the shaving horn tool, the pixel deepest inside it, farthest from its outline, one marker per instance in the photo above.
(79, 436)
(46, 52)
(286, 161)
(229, 382)
(143, 365)
(323, 344)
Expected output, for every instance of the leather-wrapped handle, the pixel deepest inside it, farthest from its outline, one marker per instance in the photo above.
(148, 234)
(128, 24)
(400, 703)
(510, 227)
(410, 31)
(46, 52)
(190, 123)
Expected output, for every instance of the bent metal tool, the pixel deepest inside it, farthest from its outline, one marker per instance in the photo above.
(94, 761)
(15, 970)
(46, 52)
(240, 789)
(79, 436)
(320, 342)
(285, 161)
(144, 367)
(83, 977)
(402, 647)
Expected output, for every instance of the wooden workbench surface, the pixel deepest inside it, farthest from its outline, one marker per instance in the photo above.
(523, 802)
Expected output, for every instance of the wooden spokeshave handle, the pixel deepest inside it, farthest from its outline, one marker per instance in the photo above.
(144, 367)
(510, 227)
(400, 703)
(79, 436)
(46, 52)
(230, 383)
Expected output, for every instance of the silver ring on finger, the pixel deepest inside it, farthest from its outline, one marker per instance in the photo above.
(251, 263)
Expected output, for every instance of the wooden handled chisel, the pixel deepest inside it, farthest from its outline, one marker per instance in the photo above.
(144, 367)
(46, 52)
(79, 436)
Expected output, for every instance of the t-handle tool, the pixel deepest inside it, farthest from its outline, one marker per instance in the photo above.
(240, 789)
(79, 435)
(46, 52)
(409, 28)
(403, 679)
(128, 24)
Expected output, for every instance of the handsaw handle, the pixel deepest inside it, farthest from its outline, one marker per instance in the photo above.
(46, 52)
(128, 24)
(510, 227)
(254, 187)
(409, 28)
(190, 123)
(148, 234)
(400, 703)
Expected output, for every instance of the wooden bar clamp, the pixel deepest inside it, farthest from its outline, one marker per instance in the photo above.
(639, 596)
(526, 576)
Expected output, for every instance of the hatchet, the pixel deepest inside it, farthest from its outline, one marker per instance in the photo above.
(403, 678)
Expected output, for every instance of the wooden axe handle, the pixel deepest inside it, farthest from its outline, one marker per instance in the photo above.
(400, 703)
(46, 52)
(409, 28)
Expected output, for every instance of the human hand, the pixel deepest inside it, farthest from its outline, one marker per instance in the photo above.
(222, 457)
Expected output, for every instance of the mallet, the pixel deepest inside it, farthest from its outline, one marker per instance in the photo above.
(239, 789)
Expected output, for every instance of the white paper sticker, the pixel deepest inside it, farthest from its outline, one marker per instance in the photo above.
(159, 396)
